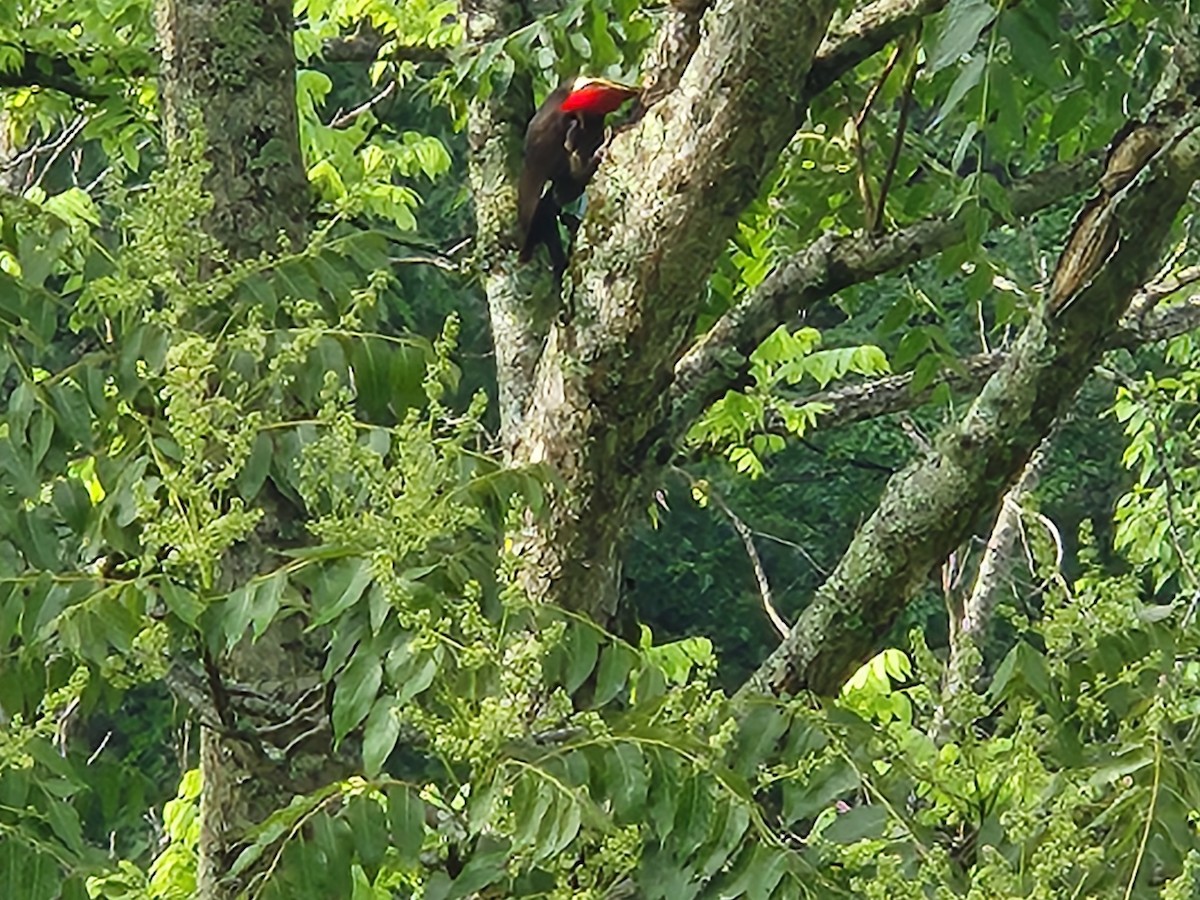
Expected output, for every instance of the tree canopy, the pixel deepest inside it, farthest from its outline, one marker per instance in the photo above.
(827, 529)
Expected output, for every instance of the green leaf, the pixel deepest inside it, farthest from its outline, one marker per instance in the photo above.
(734, 819)
(1121, 765)
(662, 800)
(73, 413)
(74, 207)
(380, 735)
(616, 662)
(651, 683)
(693, 815)
(362, 889)
(72, 502)
(486, 866)
(182, 602)
(755, 873)
(66, 825)
(236, 613)
(857, 824)
(803, 799)
(968, 77)
(355, 692)
(20, 468)
(359, 573)
(378, 607)
(368, 822)
(625, 774)
(268, 594)
(1022, 664)
(254, 473)
(27, 873)
(758, 735)
(964, 21)
(261, 293)
(1034, 49)
(1069, 113)
(582, 648)
(423, 668)
(437, 887)
(406, 815)
(963, 145)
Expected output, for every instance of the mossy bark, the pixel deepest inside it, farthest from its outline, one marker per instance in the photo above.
(229, 66)
(661, 210)
(930, 507)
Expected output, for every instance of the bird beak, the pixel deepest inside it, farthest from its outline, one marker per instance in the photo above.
(597, 96)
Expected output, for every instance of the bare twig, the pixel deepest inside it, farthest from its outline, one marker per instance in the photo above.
(747, 536)
(860, 151)
(69, 134)
(976, 612)
(341, 120)
(876, 224)
(784, 542)
(860, 161)
(760, 573)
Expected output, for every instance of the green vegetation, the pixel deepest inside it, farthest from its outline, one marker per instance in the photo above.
(279, 616)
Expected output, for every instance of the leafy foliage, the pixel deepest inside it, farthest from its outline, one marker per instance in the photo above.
(164, 407)
(782, 359)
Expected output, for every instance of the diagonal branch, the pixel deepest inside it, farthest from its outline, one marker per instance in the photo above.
(864, 33)
(760, 572)
(932, 505)
(889, 394)
(719, 360)
(51, 72)
(894, 393)
(969, 625)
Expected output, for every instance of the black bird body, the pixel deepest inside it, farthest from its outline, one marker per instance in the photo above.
(563, 148)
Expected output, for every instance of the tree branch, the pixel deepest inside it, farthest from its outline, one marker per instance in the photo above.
(934, 503)
(968, 630)
(365, 47)
(894, 393)
(660, 211)
(760, 573)
(51, 72)
(495, 126)
(720, 359)
(864, 33)
(889, 394)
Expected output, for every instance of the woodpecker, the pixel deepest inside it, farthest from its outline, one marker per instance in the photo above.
(563, 148)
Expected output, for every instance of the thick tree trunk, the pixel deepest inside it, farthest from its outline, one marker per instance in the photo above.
(520, 299)
(603, 393)
(661, 210)
(229, 69)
